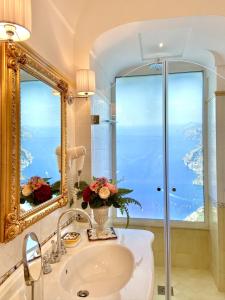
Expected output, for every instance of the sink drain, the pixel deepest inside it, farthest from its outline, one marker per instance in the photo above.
(83, 294)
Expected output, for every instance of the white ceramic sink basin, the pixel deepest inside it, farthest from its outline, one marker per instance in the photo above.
(99, 269)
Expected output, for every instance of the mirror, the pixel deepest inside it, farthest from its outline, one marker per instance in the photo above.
(32, 258)
(40, 136)
(32, 139)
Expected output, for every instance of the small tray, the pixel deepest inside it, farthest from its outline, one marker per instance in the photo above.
(107, 234)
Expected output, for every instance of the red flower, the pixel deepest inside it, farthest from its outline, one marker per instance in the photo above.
(87, 194)
(43, 194)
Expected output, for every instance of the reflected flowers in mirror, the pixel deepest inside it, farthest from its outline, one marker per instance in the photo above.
(38, 190)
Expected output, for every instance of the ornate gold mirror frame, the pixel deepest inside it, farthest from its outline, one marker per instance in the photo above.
(13, 57)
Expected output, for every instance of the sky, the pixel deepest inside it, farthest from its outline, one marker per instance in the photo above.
(139, 99)
(39, 107)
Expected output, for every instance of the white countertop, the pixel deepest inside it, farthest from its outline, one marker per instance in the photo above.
(139, 287)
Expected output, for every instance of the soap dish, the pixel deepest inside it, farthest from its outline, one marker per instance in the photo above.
(71, 239)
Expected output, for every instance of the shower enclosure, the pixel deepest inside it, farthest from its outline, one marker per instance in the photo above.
(159, 137)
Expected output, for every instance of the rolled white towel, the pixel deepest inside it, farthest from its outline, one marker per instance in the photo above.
(80, 163)
(76, 152)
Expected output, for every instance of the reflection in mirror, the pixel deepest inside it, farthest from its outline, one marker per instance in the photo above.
(32, 259)
(40, 135)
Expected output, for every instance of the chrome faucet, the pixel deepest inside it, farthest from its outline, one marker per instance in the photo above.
(59, 248)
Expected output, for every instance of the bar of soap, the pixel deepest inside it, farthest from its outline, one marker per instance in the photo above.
(71, 239)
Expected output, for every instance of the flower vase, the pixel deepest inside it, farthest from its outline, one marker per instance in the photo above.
(101, 216)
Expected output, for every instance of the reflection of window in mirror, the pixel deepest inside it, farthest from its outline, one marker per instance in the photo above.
(32, 249)
(40, 136)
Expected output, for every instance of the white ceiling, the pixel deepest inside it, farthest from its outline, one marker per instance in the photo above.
(187, 38)
(69, 11)
(173, 41)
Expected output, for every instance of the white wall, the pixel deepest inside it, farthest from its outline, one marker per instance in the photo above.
(101, 134)
(53, 41)
(216, 175)
(83, 132)
(52, 38)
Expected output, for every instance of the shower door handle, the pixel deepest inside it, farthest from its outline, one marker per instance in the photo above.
(158, 189)
(174, 189)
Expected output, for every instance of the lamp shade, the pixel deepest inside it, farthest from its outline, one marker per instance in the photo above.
(85, 82)
(15, 20)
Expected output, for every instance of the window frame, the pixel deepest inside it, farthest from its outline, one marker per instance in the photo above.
(143, 222)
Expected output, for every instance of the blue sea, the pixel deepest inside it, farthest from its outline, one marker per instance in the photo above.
(140, 167)
(41, 143)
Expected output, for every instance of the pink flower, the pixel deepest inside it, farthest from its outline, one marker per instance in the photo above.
(102, 180)
(94, 186)
(36, 182)
(112, 188)
(104, 192)
(26, 190)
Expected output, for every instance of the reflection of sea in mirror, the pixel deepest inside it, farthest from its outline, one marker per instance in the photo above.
(40, 136)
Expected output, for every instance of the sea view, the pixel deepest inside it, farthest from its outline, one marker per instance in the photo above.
(38, 153)
(40, 131)
(140, 167)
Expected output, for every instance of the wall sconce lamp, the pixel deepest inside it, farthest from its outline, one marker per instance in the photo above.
(85, 82)
(85, 85)
(15, 20)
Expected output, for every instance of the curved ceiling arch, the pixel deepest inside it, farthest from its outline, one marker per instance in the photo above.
(195, 39)
(100, 16)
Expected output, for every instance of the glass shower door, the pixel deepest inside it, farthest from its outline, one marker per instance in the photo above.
(162, 124)
(191, 277)
(140, 155)
(185, 144)
(139, 143)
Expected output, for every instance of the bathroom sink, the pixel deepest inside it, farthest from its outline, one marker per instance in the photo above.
(99, 269)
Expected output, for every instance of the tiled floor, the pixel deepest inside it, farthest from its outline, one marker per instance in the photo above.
(189, 284)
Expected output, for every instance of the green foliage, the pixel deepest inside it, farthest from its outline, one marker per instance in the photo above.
(123, 192)
(124, 203)
(29, 198)
(55, 187)
(84, 205)
(80, 188)
(46, 179)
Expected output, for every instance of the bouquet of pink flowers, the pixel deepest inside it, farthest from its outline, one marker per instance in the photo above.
(37, 190)
(103, 192)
